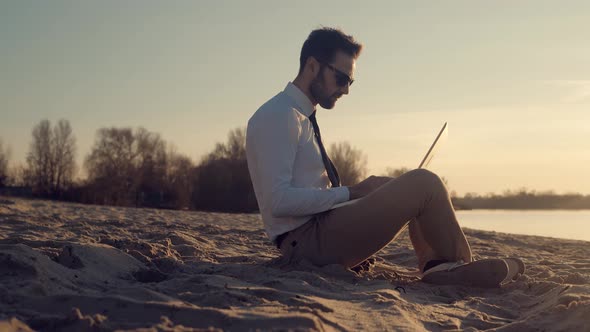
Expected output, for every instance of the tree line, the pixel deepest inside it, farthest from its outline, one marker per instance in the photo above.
(137, 167)
(523, 199)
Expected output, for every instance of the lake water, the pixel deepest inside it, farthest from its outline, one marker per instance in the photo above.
(566, 224)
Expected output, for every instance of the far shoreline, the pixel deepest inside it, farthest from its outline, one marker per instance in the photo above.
(4, 194)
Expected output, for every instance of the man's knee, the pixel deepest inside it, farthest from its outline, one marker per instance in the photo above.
(427, 179)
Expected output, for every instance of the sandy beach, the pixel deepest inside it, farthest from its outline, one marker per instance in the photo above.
(71, 267)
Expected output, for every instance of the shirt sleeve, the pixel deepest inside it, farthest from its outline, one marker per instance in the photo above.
(275, 147)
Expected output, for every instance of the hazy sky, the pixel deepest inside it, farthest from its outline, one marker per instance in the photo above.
(512, 78)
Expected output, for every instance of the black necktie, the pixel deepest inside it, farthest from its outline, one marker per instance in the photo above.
(330, 168)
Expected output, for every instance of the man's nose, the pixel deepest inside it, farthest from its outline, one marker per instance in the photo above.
(345, 89)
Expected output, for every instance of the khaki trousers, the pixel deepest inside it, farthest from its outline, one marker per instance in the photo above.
(350, 234)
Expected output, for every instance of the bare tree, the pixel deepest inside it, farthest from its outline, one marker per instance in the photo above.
(395, 172)
(127, 167)
(4, 176)
(222, 180)
(351, 163)
(151, 161)
(234, 149)
(51, 159)
(39, 159)
(110, 165)
(179, 179)
(64, 155)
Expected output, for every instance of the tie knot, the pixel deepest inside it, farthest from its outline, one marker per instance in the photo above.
(314, 124)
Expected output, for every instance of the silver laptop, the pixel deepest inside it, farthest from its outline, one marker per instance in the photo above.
(425, 161)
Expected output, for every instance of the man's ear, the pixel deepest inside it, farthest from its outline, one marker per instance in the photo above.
(313, 66)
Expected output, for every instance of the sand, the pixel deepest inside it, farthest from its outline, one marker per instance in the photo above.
(71, 267)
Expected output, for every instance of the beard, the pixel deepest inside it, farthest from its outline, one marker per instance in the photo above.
(318, 91)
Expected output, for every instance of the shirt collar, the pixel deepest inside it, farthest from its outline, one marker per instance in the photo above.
(305, 105)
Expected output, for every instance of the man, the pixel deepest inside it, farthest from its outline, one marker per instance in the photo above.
(296, 184)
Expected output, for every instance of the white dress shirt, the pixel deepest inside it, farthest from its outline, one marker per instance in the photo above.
(290, 180)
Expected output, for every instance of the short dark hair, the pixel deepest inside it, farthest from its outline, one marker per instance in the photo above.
(323, 43)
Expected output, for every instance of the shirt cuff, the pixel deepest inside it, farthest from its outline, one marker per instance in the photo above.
(342, 194)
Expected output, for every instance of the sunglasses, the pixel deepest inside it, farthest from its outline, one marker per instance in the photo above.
(342, 79)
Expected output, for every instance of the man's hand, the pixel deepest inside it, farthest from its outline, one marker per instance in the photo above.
(367, 186)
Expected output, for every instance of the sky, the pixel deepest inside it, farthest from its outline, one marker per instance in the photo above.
(512, 79)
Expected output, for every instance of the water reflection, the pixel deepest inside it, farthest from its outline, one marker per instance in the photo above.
(567, 224)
